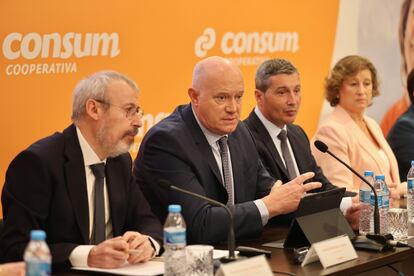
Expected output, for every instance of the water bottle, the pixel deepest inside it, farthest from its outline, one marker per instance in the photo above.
(174, 242)
(366, 213)
(410, 199)
(383, 195)
(385, 206)
(37, 255)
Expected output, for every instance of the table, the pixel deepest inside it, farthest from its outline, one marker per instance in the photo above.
(282, 259)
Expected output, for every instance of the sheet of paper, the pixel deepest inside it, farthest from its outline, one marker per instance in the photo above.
(275, 244)
(148, 269)
(218, 253)
(252, 266)
(153, 267)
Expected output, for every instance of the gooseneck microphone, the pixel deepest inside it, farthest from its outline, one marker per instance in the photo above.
(321, 146)
(231, 237)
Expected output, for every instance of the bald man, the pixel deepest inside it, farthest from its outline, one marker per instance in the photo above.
(204, 148)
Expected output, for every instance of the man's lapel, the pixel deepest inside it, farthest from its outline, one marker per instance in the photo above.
(265, 137)
(201, 141)
(76, 181)
(297, 148)
(236, 156)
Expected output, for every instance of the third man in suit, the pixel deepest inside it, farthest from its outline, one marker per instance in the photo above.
(282, 145)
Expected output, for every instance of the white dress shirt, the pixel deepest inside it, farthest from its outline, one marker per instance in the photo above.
(79, 256)
(212, 140)
(274, 132)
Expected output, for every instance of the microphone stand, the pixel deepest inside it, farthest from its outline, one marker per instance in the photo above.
(376, 210)
(231, 237)
(383, 239)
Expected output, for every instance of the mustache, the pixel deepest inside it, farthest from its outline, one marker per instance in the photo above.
(132, 132)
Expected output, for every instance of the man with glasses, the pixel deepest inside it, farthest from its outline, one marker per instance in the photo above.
(77, 185)
(204, 148)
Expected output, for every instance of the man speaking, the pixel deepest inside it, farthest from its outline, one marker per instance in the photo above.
(204, 148)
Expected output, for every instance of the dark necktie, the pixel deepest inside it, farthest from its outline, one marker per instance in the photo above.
(98, 229)
(224, 154)
(287, 156)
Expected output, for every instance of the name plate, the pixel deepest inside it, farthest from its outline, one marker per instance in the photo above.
(247, 267)
(331, 252)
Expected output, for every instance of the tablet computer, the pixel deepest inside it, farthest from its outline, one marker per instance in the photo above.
(317, 218)
(318, 202)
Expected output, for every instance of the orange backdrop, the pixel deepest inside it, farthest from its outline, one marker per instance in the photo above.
(48, 46)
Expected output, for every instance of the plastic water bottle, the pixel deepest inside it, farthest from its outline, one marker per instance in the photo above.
(366, 214)
(385, 206)
(37, 255)
(174, 242)
(410, 199)
(383, 201)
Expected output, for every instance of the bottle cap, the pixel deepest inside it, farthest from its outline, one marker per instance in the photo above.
(380, 177)
(37, 235)
(368, 173)
(174, 208)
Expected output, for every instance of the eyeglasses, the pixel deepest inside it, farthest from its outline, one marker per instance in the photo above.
(130, 112)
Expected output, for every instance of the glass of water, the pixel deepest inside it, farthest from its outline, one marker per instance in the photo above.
(398, 223)
(199, 260)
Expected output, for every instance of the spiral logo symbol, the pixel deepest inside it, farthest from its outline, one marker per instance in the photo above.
(205, 42)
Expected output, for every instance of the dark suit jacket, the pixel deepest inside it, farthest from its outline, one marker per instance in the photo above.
(176, 150)
(45, 189)
(401, 139)
(301, 149)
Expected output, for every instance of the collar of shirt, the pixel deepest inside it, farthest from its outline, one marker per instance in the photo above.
(89, 155)
(273, 129)
(212, 138)
(274, 132)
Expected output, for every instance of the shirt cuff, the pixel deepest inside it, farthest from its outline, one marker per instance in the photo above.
(345, 204)
(79, 255)
(264, 213)
(156, 246)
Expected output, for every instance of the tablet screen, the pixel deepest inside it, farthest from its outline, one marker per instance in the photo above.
(318, 202)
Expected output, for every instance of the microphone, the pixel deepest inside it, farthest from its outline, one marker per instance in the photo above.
(321, 146)
(231, 237)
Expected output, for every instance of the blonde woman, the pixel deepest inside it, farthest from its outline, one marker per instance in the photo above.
(349, 133)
